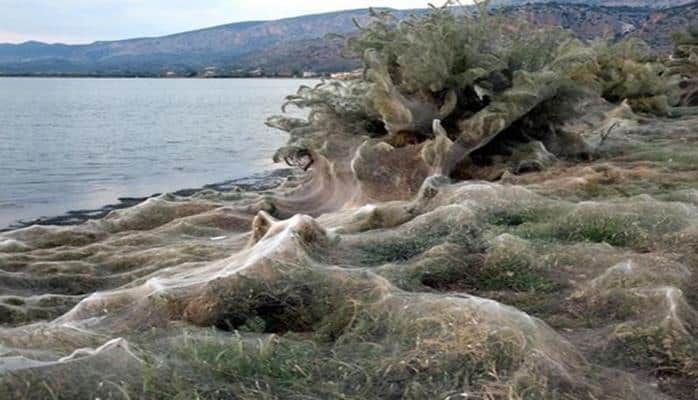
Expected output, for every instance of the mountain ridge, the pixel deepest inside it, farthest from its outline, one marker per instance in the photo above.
(290, 46)
(652, 4)
(195, 49)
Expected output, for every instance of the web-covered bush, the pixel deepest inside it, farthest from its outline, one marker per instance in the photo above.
(629, 70)
(686, 43)
(474, 78)
(684, 63)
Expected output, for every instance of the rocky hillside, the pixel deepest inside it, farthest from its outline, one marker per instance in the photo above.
(291, 46)
(656, 4)
(654, 26)
(190, 51)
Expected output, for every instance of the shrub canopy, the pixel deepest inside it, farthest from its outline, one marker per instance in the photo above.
(478, 75)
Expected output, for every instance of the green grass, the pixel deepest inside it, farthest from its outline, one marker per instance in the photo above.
(511, 264)
(234, 367)
(613, 229)
(517, 217)
(401, 248)
(678, 158)
(381, 355)
(654, 347)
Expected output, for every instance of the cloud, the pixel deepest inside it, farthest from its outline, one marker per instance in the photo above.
(83, 21)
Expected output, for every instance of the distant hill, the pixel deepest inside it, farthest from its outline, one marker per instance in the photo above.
(183, 52)
(655, 4)
(653, 25)
(291, 46)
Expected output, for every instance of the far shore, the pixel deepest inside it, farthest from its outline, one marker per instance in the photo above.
(161, 77)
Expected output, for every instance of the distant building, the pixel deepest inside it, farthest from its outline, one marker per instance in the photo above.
(285, 74)
(210, 72)
(347, 76)
(310, 74)
(238, 73)
(259, 72)
(627, 28)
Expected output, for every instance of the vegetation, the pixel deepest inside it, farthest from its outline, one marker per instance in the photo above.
(489, 82)
(685, 64)
(686, 46)
(447, 292)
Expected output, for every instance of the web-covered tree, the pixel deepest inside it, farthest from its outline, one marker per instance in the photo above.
(684, 63)
(490, 85)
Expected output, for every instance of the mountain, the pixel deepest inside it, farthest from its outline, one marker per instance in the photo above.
(655, 4)
(189, 51)
(588, 22)
(293, 45)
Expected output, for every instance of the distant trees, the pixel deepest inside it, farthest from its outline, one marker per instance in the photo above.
(685, 63)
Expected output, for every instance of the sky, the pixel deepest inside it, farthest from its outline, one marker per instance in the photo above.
(86, 21)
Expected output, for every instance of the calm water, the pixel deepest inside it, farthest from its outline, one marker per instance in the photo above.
(68, 144)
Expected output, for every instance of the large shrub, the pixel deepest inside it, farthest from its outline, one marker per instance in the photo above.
(488, 80)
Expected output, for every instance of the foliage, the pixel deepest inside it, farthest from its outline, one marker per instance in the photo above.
(478, 74)
(684, 63)
(628, 70)
(686, 43)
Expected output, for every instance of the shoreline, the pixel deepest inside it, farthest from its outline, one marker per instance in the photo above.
(255, 183)
(158, 77)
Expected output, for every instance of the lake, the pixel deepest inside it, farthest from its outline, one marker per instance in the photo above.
(68, 144)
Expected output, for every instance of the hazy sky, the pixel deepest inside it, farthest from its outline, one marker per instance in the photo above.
(84, 21)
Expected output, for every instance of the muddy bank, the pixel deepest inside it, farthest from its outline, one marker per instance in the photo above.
(258, 182)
